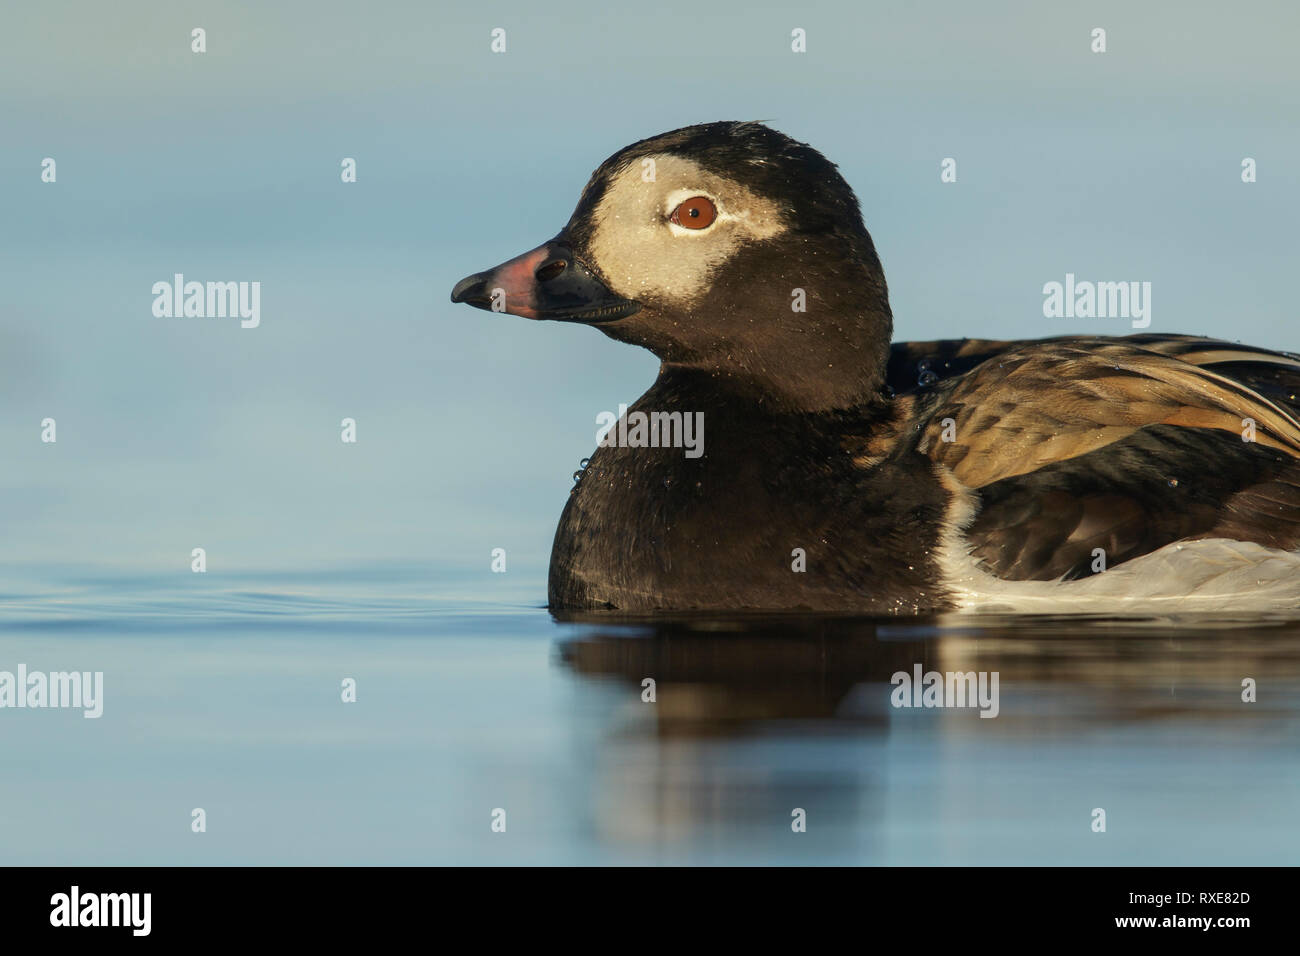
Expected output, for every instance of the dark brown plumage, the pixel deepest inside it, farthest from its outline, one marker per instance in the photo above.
(1073, 444)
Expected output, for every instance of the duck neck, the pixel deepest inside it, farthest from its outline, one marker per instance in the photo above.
(800, 330)
(822, 366)
(805, 386)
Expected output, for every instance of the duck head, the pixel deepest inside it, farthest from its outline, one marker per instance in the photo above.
(728, 248)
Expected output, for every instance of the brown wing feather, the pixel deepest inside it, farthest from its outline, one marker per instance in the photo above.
(1073, 444)
(1035, 405)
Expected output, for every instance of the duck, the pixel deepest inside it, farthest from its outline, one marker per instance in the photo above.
(842, 472)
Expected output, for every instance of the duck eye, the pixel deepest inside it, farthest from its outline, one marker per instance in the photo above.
(698, 212)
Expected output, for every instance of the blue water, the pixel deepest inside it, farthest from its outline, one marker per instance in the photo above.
(222, 692)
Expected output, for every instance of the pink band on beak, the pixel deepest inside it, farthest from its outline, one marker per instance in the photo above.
(517, 278)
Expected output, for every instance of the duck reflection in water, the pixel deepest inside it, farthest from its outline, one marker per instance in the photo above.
(754, 718)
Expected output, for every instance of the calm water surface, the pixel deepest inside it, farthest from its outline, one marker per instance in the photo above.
(223, 692)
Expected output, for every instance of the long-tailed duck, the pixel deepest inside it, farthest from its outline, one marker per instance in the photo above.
(840, 474)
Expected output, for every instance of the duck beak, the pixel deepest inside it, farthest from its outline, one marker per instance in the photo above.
(548, 282)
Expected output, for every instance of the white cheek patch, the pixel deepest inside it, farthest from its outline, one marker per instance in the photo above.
(644, 256)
